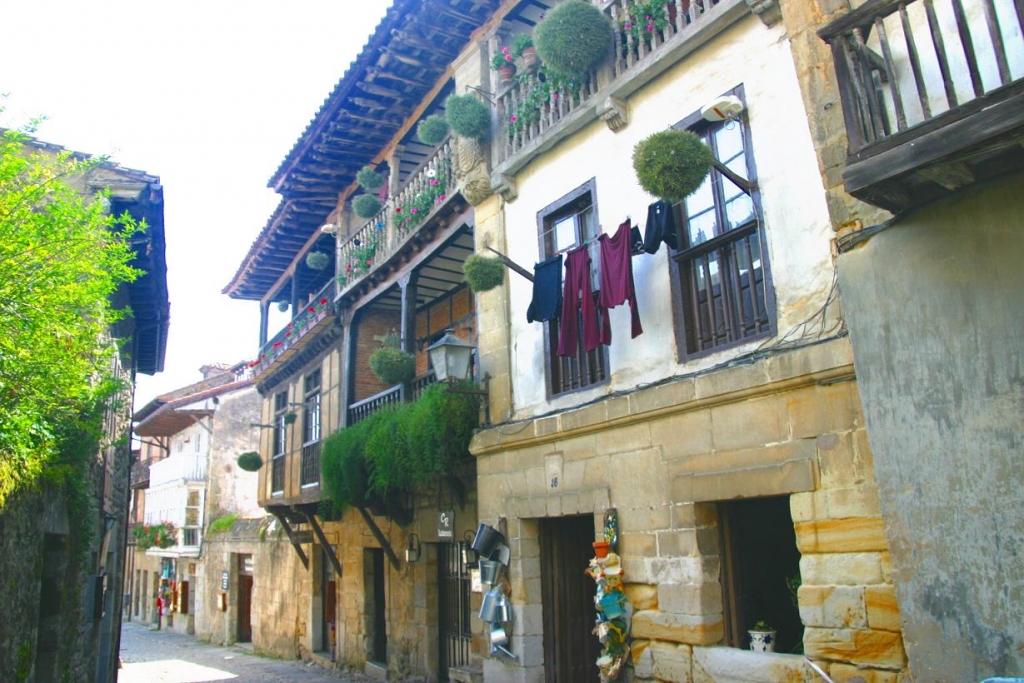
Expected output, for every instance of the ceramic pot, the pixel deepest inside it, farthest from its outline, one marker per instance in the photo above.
(506, 72)
(601, 548)
(762, 641)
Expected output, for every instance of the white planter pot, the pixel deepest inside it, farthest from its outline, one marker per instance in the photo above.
(762, 641)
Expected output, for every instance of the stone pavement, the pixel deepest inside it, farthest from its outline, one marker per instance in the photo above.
(151, 656)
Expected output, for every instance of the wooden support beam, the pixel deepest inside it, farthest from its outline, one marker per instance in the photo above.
(319, 533)
(741, 183)
(512, 265)
(380, 538)
(291, 535)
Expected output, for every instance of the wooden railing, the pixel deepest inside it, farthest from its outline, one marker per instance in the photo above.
(360, 410)
(381, 236)
(902, 63)
(536, 101)
(300, 325)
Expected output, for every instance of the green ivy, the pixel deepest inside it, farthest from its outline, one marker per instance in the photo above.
(222, 524)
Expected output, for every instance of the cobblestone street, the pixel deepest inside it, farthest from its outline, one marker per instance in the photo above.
(151, 656)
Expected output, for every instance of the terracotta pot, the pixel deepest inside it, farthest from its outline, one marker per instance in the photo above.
(506, 72)
(601, 548)
(530, 60)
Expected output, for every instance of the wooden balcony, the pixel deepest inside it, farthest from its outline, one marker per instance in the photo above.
(535, 112)
(297, 334)
(932, 94)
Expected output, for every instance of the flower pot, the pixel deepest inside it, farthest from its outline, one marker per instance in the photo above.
(530, 60)
(762, 641)
(601, 548)
(506, 72)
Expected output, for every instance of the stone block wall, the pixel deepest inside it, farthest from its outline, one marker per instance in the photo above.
(790, 424)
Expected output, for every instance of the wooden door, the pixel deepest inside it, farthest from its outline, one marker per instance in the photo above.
(244, 599)
(570, 647)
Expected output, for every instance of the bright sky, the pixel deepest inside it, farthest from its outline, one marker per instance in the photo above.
(210, 96)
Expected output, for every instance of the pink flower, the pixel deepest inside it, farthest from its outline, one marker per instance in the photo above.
(441, 198)
(628, 26)
(513, 118)
(323, 302)
(650, 28)
(508, 58)
(415, 211)
(398, 209)
(311, 309)
(648, 17)
(504, 50)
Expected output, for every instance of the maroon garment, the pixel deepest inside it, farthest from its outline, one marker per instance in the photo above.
(578, 303)
(617, 276)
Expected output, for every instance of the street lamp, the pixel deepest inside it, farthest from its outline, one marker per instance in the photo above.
(451, 358)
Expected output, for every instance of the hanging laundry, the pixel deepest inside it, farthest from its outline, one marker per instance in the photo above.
(617, 275)
(661, 227)
(578, 307)
(547, 291)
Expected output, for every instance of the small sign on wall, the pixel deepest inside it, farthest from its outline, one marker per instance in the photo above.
(225, 580)
(446, 525)
(474, 581)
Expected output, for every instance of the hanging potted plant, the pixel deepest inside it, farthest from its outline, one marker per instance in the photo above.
(483, 273)
(671, 164)
(762, 637)
(369, 179)
(432, 130)
(574, 37)
(504, 62)
(393, 365)
(317, 260)
(366, 205)
(468, 116)
(250, 462)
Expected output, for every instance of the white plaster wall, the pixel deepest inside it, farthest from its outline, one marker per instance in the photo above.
(796, 217)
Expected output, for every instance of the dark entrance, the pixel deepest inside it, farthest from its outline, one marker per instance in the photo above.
(328, 595)
(453, 613)
(376, 606)
(760, 571)
(244, 599)
(570, 647)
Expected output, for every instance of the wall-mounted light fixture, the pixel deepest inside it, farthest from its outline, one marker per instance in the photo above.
(452, 359)
(469, 556)
(412, 550)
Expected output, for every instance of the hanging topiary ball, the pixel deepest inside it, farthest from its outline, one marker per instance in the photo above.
(483, 273)
(574, 38)
(366, 205)
(468, 116)
(369, 179)
(250, 462)
(671, 164)
(317, 260)
(393, 365)
(432, 130)
(283, 306)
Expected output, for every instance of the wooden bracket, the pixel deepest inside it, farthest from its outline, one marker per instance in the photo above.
(291, 535)
(319, 533)
(741, 183)
(510, 264)
(375, 530)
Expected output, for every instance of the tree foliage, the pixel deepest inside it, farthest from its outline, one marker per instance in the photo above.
(62, 257)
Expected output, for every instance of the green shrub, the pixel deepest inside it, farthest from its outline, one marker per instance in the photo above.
(574, 37)
(343, 463)
(520, 43)
(671, 164)
(369, 179)
(483, 273)
(393, 365)
(366, 205)
(317, 260)
(283, 306)
(468, 116)
(222, 524)
(250, 462)
(432, 130)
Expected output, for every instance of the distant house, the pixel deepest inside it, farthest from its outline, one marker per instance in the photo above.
(186, 477)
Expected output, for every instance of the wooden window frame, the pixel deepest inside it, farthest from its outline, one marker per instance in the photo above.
(722, 239)
(569, 204)
(312, 400)
(279, 447)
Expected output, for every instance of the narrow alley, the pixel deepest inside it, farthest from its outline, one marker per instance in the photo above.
(151, 656)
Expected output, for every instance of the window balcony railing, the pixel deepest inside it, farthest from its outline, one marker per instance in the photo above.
(311, 463)
(383, 235)
(180, 467)
(536, 104)
(293, 336)
(924, 83)
(360, 410)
